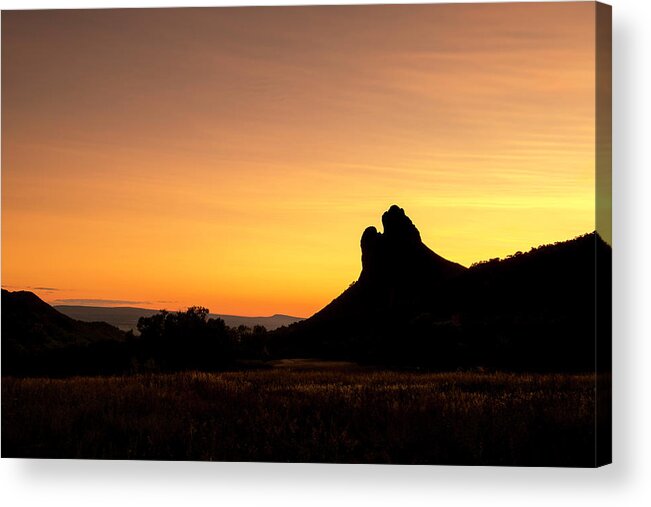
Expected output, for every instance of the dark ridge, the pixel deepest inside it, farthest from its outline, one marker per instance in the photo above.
(29, 322)
(410, 307)
(35, 336)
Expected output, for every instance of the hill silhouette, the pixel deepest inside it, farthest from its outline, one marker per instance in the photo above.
(411, 307)
(38, 340)
(28, 322)
(400, 275)
(35, 335)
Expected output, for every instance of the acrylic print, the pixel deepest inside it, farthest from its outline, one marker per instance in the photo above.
(352, 234)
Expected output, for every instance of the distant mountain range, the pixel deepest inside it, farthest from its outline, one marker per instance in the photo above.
(126, 318)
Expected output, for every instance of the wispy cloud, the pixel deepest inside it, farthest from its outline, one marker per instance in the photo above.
(28, 287)
(101, 302)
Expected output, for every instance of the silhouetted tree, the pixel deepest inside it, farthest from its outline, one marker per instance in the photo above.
(186, 340)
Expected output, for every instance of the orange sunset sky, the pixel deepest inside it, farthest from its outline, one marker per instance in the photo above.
(231, 158)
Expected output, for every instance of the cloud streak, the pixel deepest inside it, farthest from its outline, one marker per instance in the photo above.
(99, 302)
(28, 287)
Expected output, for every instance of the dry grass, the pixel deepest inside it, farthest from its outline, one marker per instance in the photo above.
(336, 415)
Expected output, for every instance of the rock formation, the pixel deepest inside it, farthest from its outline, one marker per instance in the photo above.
(398, 256)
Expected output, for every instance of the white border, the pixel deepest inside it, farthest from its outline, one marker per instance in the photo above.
(627, 482)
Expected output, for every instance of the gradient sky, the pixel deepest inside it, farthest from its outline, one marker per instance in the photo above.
(231, 158)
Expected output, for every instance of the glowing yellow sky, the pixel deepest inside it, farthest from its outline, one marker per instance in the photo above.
(232, 157)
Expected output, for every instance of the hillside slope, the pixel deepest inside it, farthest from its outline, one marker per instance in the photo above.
(547, 309)
(33, 332)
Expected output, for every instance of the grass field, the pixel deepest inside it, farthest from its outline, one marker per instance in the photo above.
(305, 414)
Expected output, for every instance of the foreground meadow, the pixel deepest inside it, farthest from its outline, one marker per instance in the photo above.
(336, 414)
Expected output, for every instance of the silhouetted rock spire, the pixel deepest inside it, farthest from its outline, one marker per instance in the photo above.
(398, 256)
(398, 226)
(537, 311)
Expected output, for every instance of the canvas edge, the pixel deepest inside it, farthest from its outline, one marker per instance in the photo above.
(603, 223)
